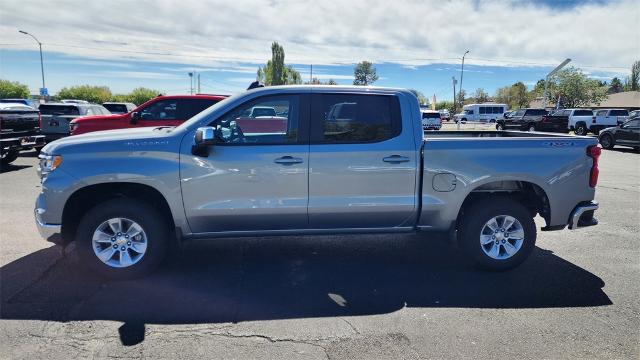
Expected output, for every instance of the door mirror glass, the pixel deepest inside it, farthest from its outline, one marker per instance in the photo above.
(135, 116)
(203, 139)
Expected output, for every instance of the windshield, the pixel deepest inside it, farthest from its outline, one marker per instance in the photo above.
(468, 112)
(116, 108)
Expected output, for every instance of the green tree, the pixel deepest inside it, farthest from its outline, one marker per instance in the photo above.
(422, 100)
(616, 86)
(633, 81)
(519, 96)
(575, 89)
(316, 81)
(13, 89)
(503, 95)
(141, 95)
(460, 97)
(364, 73)
(90, 93)
(275, 72)
(481, 96)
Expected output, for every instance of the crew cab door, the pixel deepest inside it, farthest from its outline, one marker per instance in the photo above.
(251, 179)
(362, 163)
(515, 120)
(629, 133)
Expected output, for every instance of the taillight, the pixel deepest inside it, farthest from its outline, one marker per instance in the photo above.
(594, 152)
(593, 120)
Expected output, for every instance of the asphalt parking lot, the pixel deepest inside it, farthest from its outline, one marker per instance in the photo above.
(336, 297)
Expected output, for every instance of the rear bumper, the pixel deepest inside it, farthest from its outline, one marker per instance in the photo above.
(582, 215)
(23, 142)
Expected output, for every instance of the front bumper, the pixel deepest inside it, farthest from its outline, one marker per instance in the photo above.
(50, 232)
(582, 215)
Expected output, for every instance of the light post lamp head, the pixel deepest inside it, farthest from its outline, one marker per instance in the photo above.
(23, 32)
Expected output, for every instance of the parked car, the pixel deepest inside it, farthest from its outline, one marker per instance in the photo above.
(486, 112)
(626, 134)
(126, 196)
(602, 119)
(19, 130)
(578, 118)
(162, 110)
(634, 113)
(56, 117)
(119, 107)
(445, 115)
(556, 121)
(27, 102)
(529, 119)
(431, 120)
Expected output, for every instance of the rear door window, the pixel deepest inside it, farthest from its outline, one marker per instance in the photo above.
(117, 108)
(619, 113)
(353, 118)
(583, 113)
(196, 106)
(536, 112)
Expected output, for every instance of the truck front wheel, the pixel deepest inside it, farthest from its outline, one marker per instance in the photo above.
(581, 129)
(497, 234)
(122, 238)
(9, 157)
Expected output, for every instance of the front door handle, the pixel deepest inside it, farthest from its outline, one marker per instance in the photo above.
(396, 159)
(288, 160)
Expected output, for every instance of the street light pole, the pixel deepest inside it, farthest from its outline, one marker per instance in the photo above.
(461, 75)
(41, 61)
(546, 80)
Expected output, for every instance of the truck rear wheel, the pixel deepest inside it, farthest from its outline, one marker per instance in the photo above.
(497, 233)
(122, 238)
(581, 129)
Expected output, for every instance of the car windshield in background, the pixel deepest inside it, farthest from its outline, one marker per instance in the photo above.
(58, 110)
(116, 108)
(583, 113)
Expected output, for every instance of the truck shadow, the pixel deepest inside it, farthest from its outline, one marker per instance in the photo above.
(234, 280)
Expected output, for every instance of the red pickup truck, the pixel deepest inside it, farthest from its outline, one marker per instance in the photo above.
(159, 111)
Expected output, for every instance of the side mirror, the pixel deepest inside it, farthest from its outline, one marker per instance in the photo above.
(203, 139)
(135, 116)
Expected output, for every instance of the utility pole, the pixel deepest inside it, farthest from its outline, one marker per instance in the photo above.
(199, 84)
(43, 91)
(311, 75)
(461, 75)
(546, 80)
(455, 107)
(191, 83)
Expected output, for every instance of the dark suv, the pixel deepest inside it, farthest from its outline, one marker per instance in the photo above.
(529, 119)
(19, 130)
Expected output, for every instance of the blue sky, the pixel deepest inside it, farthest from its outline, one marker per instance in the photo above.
(157, 51)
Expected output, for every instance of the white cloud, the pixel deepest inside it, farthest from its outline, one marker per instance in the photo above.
(214, 34)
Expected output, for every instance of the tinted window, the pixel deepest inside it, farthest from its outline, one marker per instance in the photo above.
(583, 113)
(161, 110)
(632, 124)
(519, 113)
(238, 127)
(536, 112)
(58, 110)
(116, 108)
(347, 118)
(619, 113)
(483, 110)
(428, 115)
(196, 106)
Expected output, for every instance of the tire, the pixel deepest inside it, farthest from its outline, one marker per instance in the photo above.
(475, 228)
(581, 129)
(607, 141)
(155, 234)
(9, 157)
(531, 128)
(499, 126)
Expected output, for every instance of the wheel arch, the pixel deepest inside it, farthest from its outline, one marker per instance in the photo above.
(85, 198)
(529, 194)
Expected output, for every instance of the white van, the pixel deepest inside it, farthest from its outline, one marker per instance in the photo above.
(487, 112)
(431, 120)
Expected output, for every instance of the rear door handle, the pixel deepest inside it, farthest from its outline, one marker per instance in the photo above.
(396, 159)
(288, 160)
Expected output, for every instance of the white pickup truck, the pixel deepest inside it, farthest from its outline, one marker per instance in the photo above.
(601, 119)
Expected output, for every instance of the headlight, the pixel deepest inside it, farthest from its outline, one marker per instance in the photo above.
(48, 163)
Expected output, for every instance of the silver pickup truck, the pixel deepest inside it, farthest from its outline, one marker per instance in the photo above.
(126, 196)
